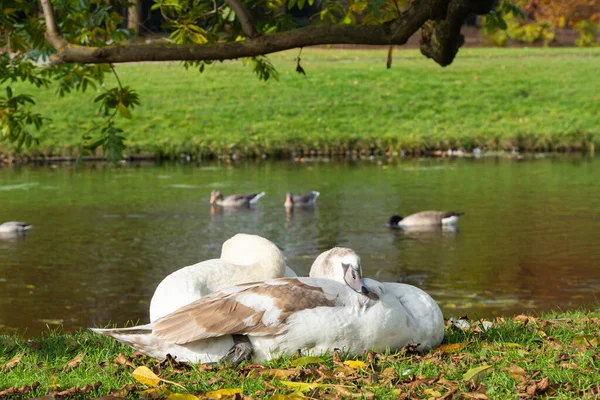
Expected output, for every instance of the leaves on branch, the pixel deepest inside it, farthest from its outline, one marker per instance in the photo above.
(263, 68)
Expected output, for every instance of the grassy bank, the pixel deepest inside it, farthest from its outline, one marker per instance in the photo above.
(531, 99)
(523, 357)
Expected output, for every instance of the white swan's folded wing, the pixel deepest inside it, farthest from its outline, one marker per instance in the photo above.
(257, 309)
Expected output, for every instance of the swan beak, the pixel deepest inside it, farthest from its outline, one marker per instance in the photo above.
(354, 280)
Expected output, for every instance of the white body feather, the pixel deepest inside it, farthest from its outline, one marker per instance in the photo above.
(403, 314)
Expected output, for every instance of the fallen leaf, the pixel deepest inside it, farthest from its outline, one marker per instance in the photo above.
(293, 396)
(221, 393)
(476, 374)
(144, 375)
(74, 362)
(181, 396)
(474, 395)
(13, 362)
(278, 373)
(450, 348)
(586, 340)
(304, 361)
(302, 386)
(517, 373)
(432, 392)
(336, 356)
(356, 364)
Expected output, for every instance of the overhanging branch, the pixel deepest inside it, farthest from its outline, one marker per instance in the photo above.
(442, 18)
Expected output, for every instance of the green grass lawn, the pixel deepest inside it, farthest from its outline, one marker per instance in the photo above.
(556, 355)
(531, 99)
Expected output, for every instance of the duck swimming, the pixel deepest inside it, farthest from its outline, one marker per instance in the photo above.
(425, 218)
(302, 200)
(234, 200)
(14, 228)
(277, 317)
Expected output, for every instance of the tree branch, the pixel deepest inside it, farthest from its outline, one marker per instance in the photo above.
(441, 38)
(243, 14)
(441, 21)
(52, 34)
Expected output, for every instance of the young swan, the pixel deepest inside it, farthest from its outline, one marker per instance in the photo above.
(280, 316)
(244, 258)
(340, 264)
(247, 258)
(234, 200)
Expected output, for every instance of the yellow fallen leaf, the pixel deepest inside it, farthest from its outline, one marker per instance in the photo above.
(432, 393)
(30, 286)
(147, 377)
(450, 348)
(476, 374)
(293, 396)
(304, 361)
(278, 373)
(221, 393)
(181, 396)
(154, 392)
(356, 364)
(302, 386)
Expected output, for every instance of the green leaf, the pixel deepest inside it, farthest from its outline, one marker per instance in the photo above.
(476, 374)
(124, 111)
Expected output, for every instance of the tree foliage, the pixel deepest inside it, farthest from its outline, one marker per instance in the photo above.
(75, 43)
(539, 19)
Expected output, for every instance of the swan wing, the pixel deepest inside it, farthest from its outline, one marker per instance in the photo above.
(257, 309)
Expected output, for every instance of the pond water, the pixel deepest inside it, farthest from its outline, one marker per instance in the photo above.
(105, 236)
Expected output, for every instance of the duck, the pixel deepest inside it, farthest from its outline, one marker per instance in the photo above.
(246, 258)
(425, 218)
(277, 317)
(234, 200)
(15, 228)
(303, 200)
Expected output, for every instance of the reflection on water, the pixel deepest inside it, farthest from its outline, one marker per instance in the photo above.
(104, 237)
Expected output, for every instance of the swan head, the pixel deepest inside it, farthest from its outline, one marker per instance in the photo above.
(215, 195)
(340, 264)
(395, 220)
(289, 199)
(245, 249)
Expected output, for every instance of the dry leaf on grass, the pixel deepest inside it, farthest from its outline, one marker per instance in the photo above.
(222, 393)
(517, 373)
(74, 362)
(450, 348)
(14, 391)
(13, 362)
(144, 375)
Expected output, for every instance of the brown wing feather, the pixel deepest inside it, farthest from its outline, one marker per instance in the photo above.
(223, 314)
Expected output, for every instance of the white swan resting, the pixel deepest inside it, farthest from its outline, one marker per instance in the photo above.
(283, 315)
(246, 258)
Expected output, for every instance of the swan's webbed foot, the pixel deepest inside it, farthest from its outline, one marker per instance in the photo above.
(241, 350)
